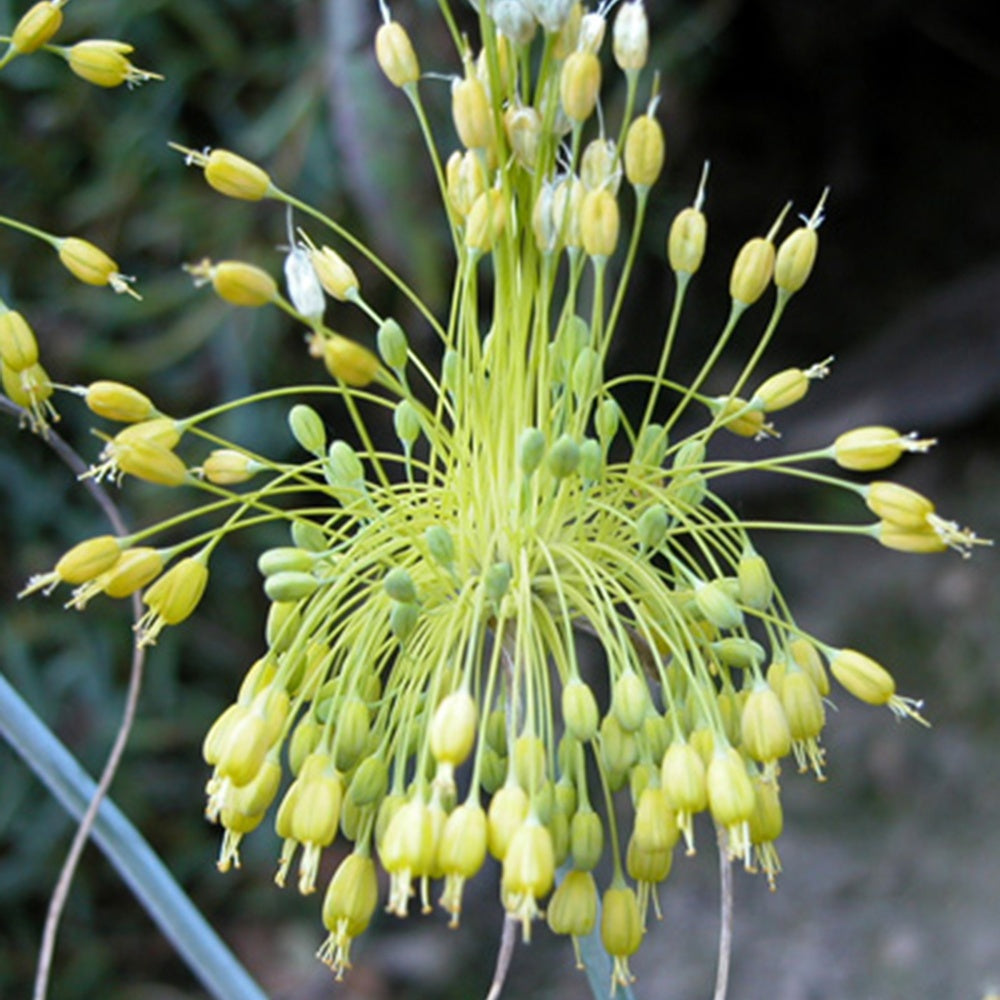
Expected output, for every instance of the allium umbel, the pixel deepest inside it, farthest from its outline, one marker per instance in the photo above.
(422, 683)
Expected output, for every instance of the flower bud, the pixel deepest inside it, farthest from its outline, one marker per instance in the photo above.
(563, 457)
(523, 127)
(686, 242)
(461, 852)
(18, 347)
(630, 700)
(470, 111)
(117, 401)
(783, 389)
(752, 271)
(528, 870)
(243, 284)
(132, 571)
(763, 725)
(395, 55)
(149, 461)
(335, 275)
(228, 467)
(652, 527)
(599, 223)
(233, 175)
(348, 907)
(91, 265)
(899, 505)
(630, 37)
(716, 605)
(573, 906)
(866, 449)
(508, 810)
(440, 544)
(466, 181)
(907, 539)
(487, 221)
(621, 930)
(530, 450)
(398, 585)
(37, 26)
(290, 585)
(307, 428)
(795, 259)
(645, 150)
(173, 597)
(88, 558)
(579, 85)
(452, 731)
(867, 680)
(742, 418)
(599, 166)
(105, 63)
(607, 419)
(496, 581)
(755, 583)
(392, 344)
(655, 827)
(348, 361)
(591, 31)
(730, 796)
(579, 710)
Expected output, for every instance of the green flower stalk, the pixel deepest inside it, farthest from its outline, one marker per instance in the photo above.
(422, 684)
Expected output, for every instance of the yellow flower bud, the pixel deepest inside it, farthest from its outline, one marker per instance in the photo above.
(730, 796)
(630, 700)
(452, 730)
(683, 778)
(716, 605)
(618, 747)
(621, 930)
(470, 111)
(870, 682)
(599, 166)
(89, 558)
(234, 175)
(172, 598)
(523, 126)
(334, 273)
(755, 583)
(686, 242)
(161, 431)
(408, 850)
(742, 418)
(655, 827)
(461, 853)
(763, 725)
(783, 389)
(133, 571)
(508, 810)
(18, 347)
(348, 361)
(805, 654)
(586, 838)
(866, 449)
(599, 223)
(243, 284)
(104, 63)
(752, 271)
(529, 871)
(348, 907)
(150, 462)
(228, 467)
(907, 539)
(466, 181)
(806, 717)
(573, 906)
(795, 259)
(899, 505)
(487, 220)
(395, 55)
(91, 265)
(645, 151)
(579, 710)
(579, 85)
(117, 401)
(766, 825)
(37, 26)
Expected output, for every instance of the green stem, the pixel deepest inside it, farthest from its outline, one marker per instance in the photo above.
(141, 868)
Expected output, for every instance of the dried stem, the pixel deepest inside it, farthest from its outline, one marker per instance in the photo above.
(725, 916)
(508, 939)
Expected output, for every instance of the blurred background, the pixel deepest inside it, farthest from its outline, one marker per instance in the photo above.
(892, 873)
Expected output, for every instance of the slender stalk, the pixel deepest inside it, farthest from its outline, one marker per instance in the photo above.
(725, 917)
(141, 868)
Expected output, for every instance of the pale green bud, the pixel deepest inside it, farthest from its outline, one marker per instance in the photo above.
(284, 559)
(352, 724)
(398, 584)
(586, 838)
(403, 620)
(290, 586)
(343, 465)
(406, 421)
(587, 374)
(563, 457)
(716, 605)
(591, 460)
(579, 710)
(307, 429)
(496, 580)
(441, 545)
(392, 344)
(630, 700)
(308, 535)
(652, 527)
(606, 420)
(530, 450)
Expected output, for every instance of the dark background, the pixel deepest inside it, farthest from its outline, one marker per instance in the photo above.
(891, 874)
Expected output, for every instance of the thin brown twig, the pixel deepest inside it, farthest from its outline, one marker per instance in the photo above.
(60, 892)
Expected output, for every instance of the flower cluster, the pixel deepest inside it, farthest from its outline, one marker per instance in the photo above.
(423, 685)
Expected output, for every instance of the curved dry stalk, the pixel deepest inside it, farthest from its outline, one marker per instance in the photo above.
(60, 892)
(508, 938)
(725, 917)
